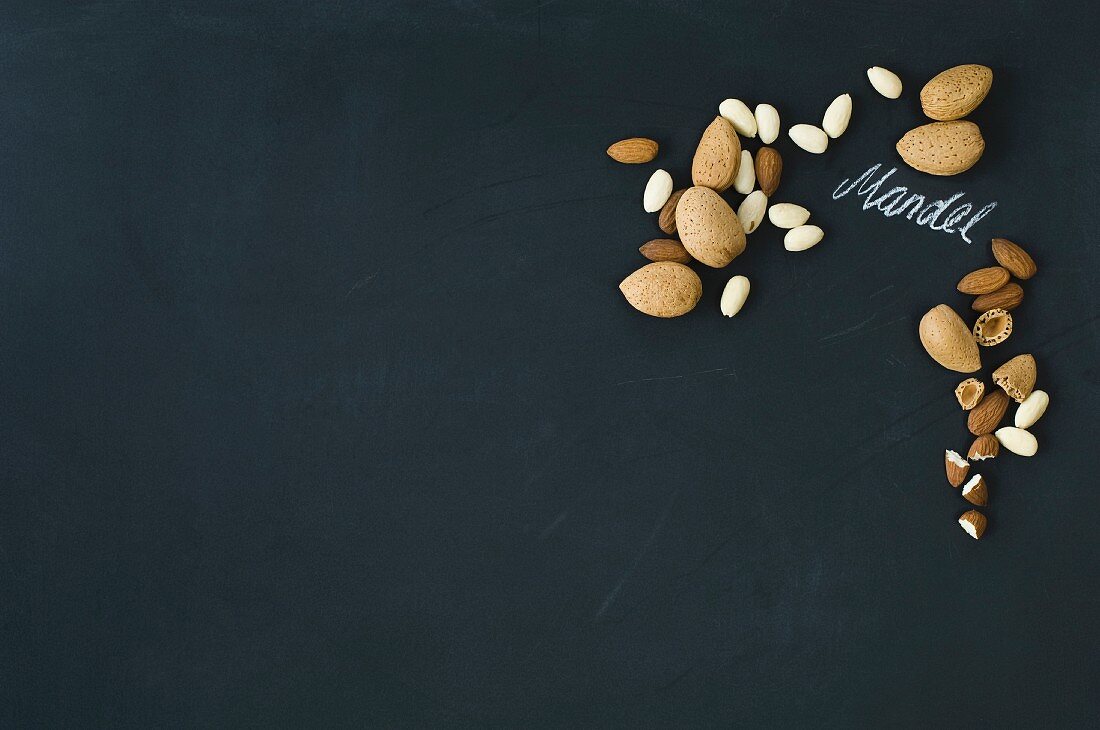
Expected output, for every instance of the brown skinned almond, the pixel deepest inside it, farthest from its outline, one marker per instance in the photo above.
(633, 151)
(987, 415)
(1008, 297)
(984, 447)
(665, 249)
(666, 219)
(983, 281)
(1014, 258)
(769, 169)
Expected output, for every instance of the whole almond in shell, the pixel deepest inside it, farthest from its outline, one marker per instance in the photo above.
(717, 157)
(769, 168)
(1014, 258)
(942, 148)
(665, 249)
(983, 281)
(954, 93)
(663, 289)
(948, 340)
(666, 219)
(984, 447)
(987, 415)
(633, 151)
(1017, 377)
(708, 227)
(1008, 297)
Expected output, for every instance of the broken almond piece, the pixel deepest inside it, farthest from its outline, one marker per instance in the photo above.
(984, 447)
(957, 467)
(975, 491)
(974, 523)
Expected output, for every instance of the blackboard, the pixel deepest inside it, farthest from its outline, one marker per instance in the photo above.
(321, 407)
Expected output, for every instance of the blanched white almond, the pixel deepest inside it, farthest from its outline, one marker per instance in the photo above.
(734, 295)
(837, 116)
(751, 211)
(802, 238)
(810, 138)
(740, 116)
(1032, 409)
(745, 180)
(1017, 440)
(787, 215)
(657, 191)
(767, 123)
(885, 82)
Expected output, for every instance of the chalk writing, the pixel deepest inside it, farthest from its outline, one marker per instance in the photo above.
(898, 200)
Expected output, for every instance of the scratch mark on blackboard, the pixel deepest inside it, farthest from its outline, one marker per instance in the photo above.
(657, 527)
(553, 526)
(862, 324)
(880, 291)
(840, 336)
(365, 280)
(671, 377)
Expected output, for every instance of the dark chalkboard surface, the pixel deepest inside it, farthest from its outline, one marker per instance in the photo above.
(321, 408)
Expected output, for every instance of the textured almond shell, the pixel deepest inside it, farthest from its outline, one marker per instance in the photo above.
(942, 148)
(993, 327)
(1016, 377)
(717, 157)
(708, 227)
(663, 289)
(954, 93)
(948, 340)
(969, 393)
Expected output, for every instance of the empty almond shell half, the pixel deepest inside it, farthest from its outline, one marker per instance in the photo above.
(993, 327)
(1017, 377)
(969, 392)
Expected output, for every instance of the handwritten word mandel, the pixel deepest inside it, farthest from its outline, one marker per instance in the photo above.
(898, 200)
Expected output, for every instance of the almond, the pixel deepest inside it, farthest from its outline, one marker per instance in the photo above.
(988, 414)
(954, 93)
(663, 289)
(1018, 441)
(767, 122)
(633, 151)
(974, 523)
(657, 191)
(969, 392)
(837, 116)
(942, 148)
(948, 340)
(734, 295)
(1032, 409)
(769, 168)
(666, 219)
(751, 211)
(665, 249)
(957, 467)
(975, 491)
(1017, 377)
(993, 327)
(810, 138)
(709, 229)
(886, 82)
(984, 447)
(802, 238)
(1013, 258)
(740, 116)
(1008, 297)
(745, 180)
(788, 215)
(983, 281)
(717, 157)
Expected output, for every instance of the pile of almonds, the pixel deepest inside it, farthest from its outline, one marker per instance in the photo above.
(955, 346)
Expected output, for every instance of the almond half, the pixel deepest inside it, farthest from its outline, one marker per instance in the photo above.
(974, 523)
(993, 327)
(975, 491)
(957, 467)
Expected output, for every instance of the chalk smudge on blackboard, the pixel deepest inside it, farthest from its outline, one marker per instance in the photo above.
(898, 200)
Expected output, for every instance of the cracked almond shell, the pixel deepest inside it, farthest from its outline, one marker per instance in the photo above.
(1017, 377)
(969, 392)
(717, 157)
(948, 340)
(993, 327)
(709, 229)
(663, 289)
